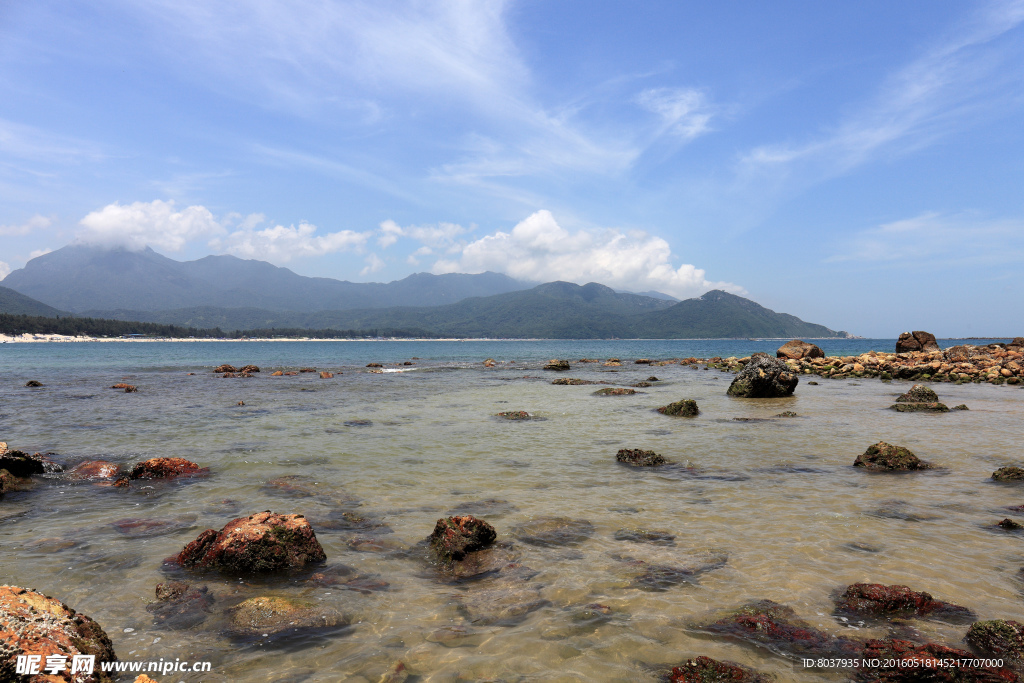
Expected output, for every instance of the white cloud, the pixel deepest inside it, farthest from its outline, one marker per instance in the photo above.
(280, 243)
(39, 252)
(684, 111)
(5, 270)
(34, 224)
(373, 264)
(142, 224)
(934, 238)
(437, 236)
(540, 250)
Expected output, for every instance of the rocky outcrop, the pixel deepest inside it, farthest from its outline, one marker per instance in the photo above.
(454, 537)
(798, 349)
(884, 457)
(277, 617)
(929, 662)
(707, 670)
(559, 365)
(617, 391)
(685, 408)
(1008, 474)
(999, 637)
(264, 542)
(763, 377)
(34, 624)
(220, 369)
(918, 394)
(916, 341)
(33, 383)
(21, 464)
(877, 600)
(166, 468)
(639, 458)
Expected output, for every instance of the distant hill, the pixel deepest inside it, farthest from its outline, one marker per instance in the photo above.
(556, 310)
(100, 281)
(16, 303)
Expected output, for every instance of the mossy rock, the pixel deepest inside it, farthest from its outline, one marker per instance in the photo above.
(685, 408)
(639, 458)
(1008, 474)
(884, 457)
(615, 391)
(920, 407)
(999, 637)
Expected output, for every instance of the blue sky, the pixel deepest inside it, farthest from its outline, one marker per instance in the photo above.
(860, 164)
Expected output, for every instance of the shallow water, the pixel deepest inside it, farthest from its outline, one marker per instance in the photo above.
(779, 498)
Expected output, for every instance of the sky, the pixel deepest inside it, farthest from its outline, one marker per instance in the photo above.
(857, 164)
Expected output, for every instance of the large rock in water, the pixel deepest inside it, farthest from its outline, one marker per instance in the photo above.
(453, 537)
(263, 542)
(798, 349)
(704, 669)
(929, 662)
(876, 600)
(884, 457)
(764, 377)
(998, 637)
(34, 624)
(916, 341)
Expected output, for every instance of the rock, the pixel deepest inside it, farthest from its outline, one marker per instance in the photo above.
(249, 369)
(95, 469)
(662, 577)
(224, 368)
(617, 391)
(884, 457)
(571, 381)
(812, 384)
(453, 537)
(962, 406)
(797, 350)
(490, 363)
(312, 369)
(928, 662)
(554, 531)
(777, 627)
(514, 415)
(143, 678)
(396, 673)
(374, 365)
(489, 506)
(1002, 474)
(34, 624)
(918, 394)
(787, 413)
(33, 383)
(166, 468)
(277, 373)
(277, 617)
(685, 408)
(920, 407)
(642, 361)
(179, 605)
(557, 365)
(916, 341)
(998, 637)
(133, 527)
(877, 600)
(1010, 525)
(8, 482)
(502, 603)
(640, 385)
(707, 670)
(22, 464)
(326, 375)
(639, 458)
(263, 542)
(652, 378)
(763, 377)
(646, 536)
(121, 385)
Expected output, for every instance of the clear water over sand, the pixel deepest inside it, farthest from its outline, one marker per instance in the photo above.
(779, 498)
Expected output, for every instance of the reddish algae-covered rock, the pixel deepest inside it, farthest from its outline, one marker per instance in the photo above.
(95, 469)
(263, 542)
(453, 537)
(707, 670)
(925, 663)
(166, 468)
(875, 599)
(34, 624)
(776, 626)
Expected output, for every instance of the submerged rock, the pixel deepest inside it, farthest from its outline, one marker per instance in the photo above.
(572, 381)
(559, 365)
(707, 670)
(777, 627)
(617, 391)
(999, 637)
(180, 605)
(554, 531)
(490, 506)
(504, 600)
(787, 413)
(654, 537)
(639, 458)
(685, 408)
(962, 406)
(34, 624)
(916, 341)
(661, 577)
(94, 469)
(33, 383)
(929, 662)
(884, 457)
(268, 616)
(920, 407)
(1002, 474)
(8, 482)
(798, 349)
(875, 599)
(763, 377)
(453, 537)
(166, 468)
(263, 542)
(514, 415)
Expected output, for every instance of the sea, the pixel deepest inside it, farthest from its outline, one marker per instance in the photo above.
(756, 506)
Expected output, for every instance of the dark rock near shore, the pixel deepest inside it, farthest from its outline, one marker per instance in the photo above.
(1002, 474)
(798, 349)
(559, 365)
(21, 464)
(554, 531)
(707, 670)
(685, 408)
(166, 468)
(617, 391)
(32, 623)
(763, 377)
(453, 537)
(916, 341)
(33, 383)
(1010, 525)
(479, 508)
(884, 457)
(769, 624)
(919, 394)
(259, 543)
(639, 458)
(924, 663)
(877, 600)
(999, 637)
(180, 605)
(277, 617)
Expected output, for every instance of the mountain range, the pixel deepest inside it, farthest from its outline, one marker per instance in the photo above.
(235, 294)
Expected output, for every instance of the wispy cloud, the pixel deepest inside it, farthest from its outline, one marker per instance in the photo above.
(281, 243)
(5, 270)
(30, 143)
(33, 225)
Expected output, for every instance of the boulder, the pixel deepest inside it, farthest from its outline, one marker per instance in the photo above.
(277, 617)
(33, 383)
(249, 368)
(166, 468)
(21, 464)
(1010, 525)
(999, 637)
(661, 577)
(798, 350)
(95, 469)
(490, 363)
(1008, 474)
(558, 365)
(314, 369)
(877, 600)
(884, 457)
(685, 408)
(639, 458)
(916, 341)
(453, 537)
(34, 624)
(918, 394)
(263, 542)
(707, 670)
(654, 537)
(617, 391)
(929, 662)
(764, 377)
(224, 368)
